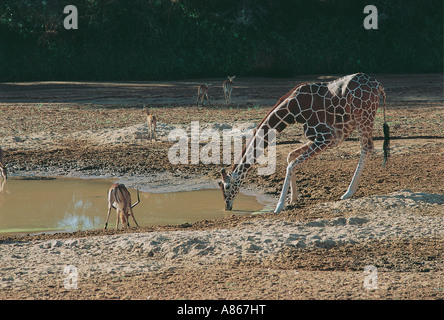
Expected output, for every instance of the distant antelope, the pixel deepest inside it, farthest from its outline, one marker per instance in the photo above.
(202, 92)
(119, 198)
(151, 120)
(227, 86)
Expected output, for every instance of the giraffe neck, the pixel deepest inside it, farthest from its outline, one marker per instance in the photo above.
(260, 137)
(254, 148)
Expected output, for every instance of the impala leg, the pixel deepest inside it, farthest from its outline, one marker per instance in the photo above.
(132, 215)
(107, 216)
(118, 213)
(125, 220)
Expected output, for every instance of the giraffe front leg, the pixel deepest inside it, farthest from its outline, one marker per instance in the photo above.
(309, 150)
(281, 202)
(291, 157)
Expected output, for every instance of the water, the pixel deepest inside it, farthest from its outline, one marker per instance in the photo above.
(49, 205)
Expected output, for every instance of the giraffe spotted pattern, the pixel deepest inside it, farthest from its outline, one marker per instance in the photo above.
(329, 112)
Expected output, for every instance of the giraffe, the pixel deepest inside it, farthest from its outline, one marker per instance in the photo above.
(227, 86)
(202, 92)
(329, 112)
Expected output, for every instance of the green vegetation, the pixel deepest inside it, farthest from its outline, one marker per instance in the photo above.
(164, 39)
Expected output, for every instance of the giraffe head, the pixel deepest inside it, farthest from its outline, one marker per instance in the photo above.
(230, 185)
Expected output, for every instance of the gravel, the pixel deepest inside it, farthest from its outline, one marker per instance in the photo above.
(399, 215)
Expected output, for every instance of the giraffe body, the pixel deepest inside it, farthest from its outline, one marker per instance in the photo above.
(329, 112)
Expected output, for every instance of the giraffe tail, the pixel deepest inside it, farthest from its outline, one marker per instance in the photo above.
(386, 130)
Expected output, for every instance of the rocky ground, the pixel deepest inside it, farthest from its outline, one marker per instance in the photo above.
(318, 248)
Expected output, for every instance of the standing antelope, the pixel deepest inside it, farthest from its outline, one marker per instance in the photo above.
(227, 86)
(3, 173)
(202, 92)
(119, 198)
(151, 120)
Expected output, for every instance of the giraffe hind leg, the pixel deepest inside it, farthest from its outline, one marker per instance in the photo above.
(356, 177)
(367, 148)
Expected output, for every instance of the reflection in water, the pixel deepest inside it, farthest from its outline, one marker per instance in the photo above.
(28, 206)
(73, 222)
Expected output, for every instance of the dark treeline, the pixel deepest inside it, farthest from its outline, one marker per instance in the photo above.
(164, 39)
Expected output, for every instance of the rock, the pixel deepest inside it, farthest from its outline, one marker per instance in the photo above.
(56, 243)
(316, 223)
(356, 220)
(338, 222)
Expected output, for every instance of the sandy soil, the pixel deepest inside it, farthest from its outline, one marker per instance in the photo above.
(317, 248)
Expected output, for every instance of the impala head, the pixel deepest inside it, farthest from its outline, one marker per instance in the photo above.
(231, 78)
(230, 188)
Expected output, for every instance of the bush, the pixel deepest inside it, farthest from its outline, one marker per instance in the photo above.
(164, 39)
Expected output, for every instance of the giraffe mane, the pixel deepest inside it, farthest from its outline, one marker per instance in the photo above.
(281, 99)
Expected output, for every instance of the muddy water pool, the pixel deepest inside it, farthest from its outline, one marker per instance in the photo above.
(70, 204)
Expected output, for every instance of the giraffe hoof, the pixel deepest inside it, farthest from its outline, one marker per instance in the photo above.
(346, 196)
(279, 207)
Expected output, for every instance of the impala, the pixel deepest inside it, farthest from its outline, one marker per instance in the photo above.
(202, 92)
(227, 86)
(151, 120)
(119, 198)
